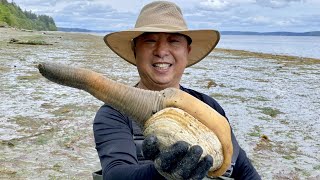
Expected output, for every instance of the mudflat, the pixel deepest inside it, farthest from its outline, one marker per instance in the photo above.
(271, 101)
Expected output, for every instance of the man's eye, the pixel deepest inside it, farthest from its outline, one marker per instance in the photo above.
(175, 39)
(149, 40)
(175, 42)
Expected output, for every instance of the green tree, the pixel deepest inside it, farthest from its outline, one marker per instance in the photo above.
(12, 14)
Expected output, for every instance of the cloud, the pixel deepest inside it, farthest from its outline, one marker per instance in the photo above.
(89, 14)
(220, 5)
(250, 15)
(300, 23)
(215, 4)
(260, 20)
(276, 3)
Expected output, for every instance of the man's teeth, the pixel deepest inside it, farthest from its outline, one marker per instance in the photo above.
(162, 65)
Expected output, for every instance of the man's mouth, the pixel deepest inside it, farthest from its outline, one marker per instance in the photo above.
(162, 65)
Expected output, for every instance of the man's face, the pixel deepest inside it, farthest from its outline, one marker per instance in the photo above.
(161, 59)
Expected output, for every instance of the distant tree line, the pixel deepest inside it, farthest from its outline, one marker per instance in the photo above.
(12, 15)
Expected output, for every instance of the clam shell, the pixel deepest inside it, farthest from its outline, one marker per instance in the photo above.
(172, 124)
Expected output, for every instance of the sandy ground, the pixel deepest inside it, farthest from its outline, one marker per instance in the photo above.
(272, 103)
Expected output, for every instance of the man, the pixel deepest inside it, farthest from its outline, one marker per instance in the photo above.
(161, 47)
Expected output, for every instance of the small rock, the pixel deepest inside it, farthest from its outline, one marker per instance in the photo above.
(13, 40)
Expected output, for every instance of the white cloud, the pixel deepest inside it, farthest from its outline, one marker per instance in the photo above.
(260, 20)
(286, 22)
(251, 15)
(220, 5)
(216, 4)
(276, 3)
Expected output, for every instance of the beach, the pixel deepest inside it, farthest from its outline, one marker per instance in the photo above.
(272, 103)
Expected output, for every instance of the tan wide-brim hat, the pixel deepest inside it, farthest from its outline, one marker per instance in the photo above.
(162, 16)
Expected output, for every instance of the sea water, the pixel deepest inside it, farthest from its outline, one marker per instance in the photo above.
(302, 46)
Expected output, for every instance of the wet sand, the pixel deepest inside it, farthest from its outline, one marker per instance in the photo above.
(272, 103)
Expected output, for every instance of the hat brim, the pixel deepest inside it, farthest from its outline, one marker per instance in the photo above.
(203, 42)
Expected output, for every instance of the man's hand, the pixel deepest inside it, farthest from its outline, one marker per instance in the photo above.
(177, 161)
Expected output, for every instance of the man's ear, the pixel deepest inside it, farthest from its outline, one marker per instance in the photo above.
(189, 49)
(133, 47)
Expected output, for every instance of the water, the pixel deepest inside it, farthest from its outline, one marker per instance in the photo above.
(302, 46)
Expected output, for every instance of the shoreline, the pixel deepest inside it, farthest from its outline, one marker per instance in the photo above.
(250, 54)
(236, 52)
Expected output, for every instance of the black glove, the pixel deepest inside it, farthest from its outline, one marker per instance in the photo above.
(177, 161)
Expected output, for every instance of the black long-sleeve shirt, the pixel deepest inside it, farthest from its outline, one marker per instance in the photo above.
(118, 142)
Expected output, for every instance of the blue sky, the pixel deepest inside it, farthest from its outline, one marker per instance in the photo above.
(222, 15)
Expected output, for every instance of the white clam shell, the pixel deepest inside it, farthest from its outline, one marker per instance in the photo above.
(172, 124)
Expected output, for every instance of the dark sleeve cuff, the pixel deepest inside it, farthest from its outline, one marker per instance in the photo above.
(244, 169)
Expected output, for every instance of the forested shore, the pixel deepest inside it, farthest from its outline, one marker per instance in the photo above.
(11, 15)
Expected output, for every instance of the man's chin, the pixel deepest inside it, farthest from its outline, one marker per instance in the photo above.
(160, 85)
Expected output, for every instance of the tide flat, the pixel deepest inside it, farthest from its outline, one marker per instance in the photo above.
(272, 103)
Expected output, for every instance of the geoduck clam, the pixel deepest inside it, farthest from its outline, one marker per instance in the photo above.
(170, 114)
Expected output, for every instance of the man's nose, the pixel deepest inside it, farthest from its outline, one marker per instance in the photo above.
(162, 49)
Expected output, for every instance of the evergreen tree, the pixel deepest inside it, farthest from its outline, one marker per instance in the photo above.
(11, 14)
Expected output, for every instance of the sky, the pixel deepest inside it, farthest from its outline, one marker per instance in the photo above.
(222, 15)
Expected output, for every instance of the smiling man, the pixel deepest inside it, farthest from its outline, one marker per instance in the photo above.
(161, 47)
(161, 59)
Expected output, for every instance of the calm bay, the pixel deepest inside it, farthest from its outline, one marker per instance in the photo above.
(302, 46)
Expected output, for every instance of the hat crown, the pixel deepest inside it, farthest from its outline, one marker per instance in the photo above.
(163, 14)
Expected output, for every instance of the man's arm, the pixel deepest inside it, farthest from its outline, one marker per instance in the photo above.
(243, 169)
(116, 147)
